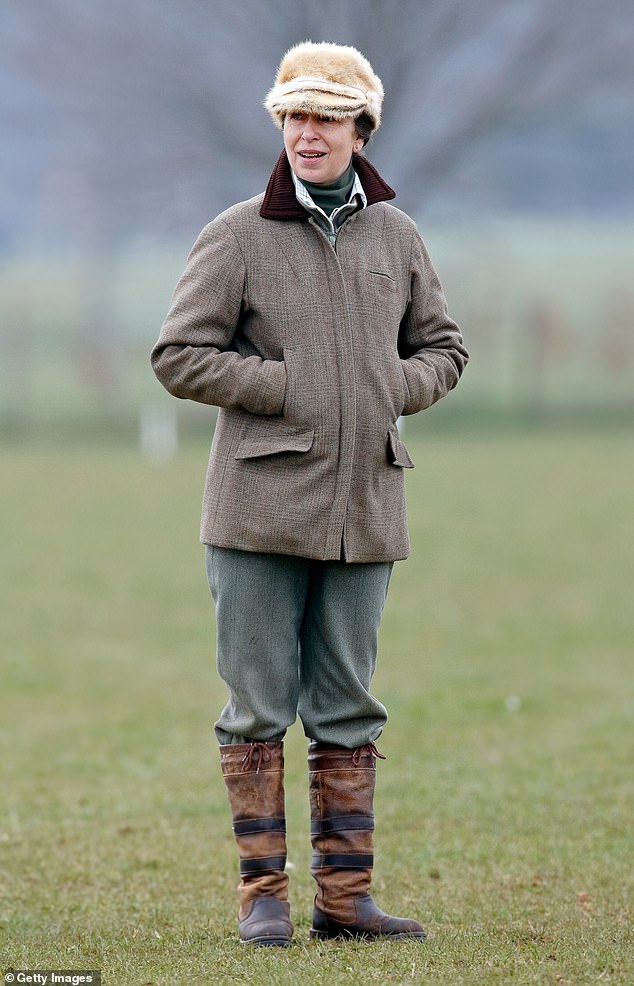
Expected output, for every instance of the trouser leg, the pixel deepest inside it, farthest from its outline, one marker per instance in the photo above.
(338, 653)
(260, 601)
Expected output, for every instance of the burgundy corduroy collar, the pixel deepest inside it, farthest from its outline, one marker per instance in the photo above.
(280, 201)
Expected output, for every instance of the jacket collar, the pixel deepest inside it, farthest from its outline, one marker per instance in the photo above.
(280, 201)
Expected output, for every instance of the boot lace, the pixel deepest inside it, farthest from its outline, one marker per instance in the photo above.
(256, 750)
(368, 748)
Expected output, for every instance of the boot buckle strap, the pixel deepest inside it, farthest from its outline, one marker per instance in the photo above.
(265, 864)
(252, 826)
(342, 823)
(342, 860)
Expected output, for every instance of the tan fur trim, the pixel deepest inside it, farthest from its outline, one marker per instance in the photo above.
(306, 83)
(327, 80)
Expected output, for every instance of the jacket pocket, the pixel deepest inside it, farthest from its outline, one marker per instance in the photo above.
(382, 280)
(396, 451)
(274, 444)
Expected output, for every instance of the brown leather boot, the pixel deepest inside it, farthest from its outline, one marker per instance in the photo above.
(254, 775)
(342, 823)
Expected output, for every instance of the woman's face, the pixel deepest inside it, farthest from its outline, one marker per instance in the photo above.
(319, 148)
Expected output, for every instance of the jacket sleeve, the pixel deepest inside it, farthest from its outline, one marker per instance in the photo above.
(430, 343)
(195, 357)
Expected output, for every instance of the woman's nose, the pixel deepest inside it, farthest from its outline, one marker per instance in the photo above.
(310, 131)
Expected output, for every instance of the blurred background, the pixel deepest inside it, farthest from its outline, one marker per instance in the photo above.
(126, 125)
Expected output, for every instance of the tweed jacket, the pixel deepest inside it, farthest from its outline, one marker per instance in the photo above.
(312, 354)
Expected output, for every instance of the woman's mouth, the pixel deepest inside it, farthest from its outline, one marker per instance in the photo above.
(311, 155)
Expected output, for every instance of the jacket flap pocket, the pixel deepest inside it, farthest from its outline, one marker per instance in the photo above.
(397, 453)
(254, 448)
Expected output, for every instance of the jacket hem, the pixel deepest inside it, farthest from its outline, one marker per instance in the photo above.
(216, 542)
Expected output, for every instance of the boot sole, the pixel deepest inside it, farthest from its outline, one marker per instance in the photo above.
(365, 936)
(267, 940)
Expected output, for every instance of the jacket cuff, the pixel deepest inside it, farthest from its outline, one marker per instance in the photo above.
(412, 380)
(267, 395)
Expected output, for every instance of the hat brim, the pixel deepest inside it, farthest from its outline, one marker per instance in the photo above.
(321, 98)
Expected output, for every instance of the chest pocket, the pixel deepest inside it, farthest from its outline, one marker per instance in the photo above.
(381, 280)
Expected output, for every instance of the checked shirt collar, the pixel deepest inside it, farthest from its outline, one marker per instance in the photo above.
(331, 224)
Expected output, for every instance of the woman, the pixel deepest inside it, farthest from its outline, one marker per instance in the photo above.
(312, 317)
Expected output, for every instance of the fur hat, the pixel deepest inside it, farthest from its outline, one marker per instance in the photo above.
(327, 80)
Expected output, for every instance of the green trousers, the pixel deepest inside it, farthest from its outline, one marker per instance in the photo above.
(294, 637)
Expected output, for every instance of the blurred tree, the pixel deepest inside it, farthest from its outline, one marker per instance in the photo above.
(138, 116)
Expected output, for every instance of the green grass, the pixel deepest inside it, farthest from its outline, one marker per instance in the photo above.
(504, 810)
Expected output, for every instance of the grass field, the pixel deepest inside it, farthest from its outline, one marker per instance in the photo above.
(504, 809)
